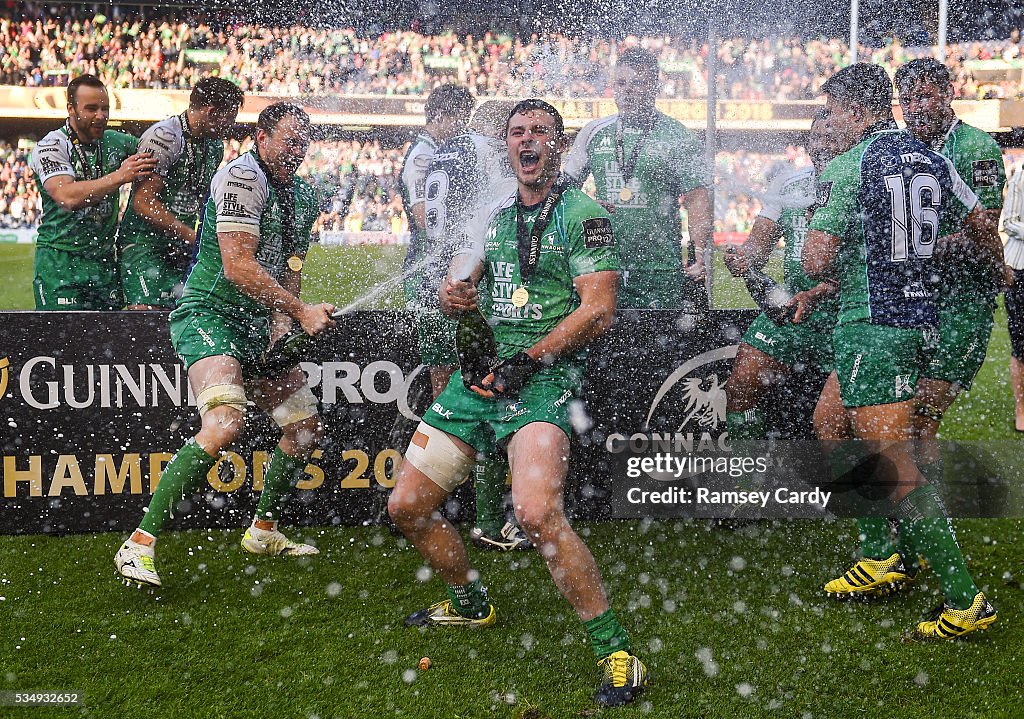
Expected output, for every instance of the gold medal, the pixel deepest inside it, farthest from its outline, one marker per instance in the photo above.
(295, 263)
(520, 297)
(625, 194)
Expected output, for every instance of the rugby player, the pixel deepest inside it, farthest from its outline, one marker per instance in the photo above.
(884, 205)
(447, 111)
(770, 352)
(464, 174)
(642, 162)
(158, 230)
(971, 277)
(546, 303)
(243, 294)
(79, 169)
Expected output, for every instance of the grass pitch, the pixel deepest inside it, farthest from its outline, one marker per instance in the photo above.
(730, 624)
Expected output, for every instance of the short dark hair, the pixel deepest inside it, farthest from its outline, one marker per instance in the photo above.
(87, 81)
(216, 92)
(273, 114)
(927, 69)
(641, 60)
(863, 85)
(449, 99)
(524, 106)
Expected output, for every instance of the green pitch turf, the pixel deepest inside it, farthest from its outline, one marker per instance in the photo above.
(731, 624)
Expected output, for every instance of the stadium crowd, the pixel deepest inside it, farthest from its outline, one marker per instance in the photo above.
(370, 172)
(171, 53)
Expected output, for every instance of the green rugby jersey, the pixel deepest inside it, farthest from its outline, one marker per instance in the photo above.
(978, 160)
(888, 200)
(88, 230)
(187, 165)
(577, 241)
(669, 162)
(242, 199)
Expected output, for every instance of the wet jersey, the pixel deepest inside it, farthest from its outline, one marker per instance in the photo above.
(888, 200)
(243, 199)
(787, 199)
(979, 161)
(662, 162)
(415, 167)
(187, 165)
(464, 175)
(577, 241)
(88, 230)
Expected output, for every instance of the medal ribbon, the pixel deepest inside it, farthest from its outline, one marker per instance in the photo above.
(529, 241)
(76, 145)
(628, 168)
(285, 193)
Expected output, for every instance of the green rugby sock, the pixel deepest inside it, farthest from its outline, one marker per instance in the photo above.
(489, 481)
(180, 479)
(606, 635)
(745, 425)
(875, 542)
(928, 532)
(469, 600)
(283, 474)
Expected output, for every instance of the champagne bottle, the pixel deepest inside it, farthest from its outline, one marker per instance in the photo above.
(287, 351)
(770, 296)
(475, 346)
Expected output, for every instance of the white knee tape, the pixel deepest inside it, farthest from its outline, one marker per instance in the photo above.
(299, 406)
(433, 452)
(232, 395)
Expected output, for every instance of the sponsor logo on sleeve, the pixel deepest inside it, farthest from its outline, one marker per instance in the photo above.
(245, 174)
(597, 232)
(50, 167)
(985, 173)
(164, 133)
(231, 207)
(823, 194)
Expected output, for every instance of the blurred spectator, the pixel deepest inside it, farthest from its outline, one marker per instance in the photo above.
(174, 53)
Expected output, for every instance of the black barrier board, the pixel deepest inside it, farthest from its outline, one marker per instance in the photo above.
(94, 404)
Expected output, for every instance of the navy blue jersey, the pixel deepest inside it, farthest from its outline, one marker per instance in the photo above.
(889, 199)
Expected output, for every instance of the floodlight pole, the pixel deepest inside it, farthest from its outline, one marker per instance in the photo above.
(854, 9)
(943, 24)
(710, 150)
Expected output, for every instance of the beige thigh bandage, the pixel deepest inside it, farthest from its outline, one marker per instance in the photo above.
(232, 395)
(433, 452)
(299, 406)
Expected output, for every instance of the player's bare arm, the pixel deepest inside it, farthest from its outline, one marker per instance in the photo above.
(281, 323)
(597, 291)
(805, 302)
(460, 295)
(238, 250)
(147, 204)
(753, 253)
(698, 217)
(73, 194)
(820, 250)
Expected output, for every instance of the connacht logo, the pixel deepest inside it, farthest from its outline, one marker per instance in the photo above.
(4, 364)
(702, 395)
